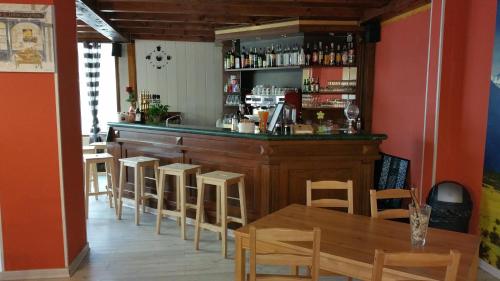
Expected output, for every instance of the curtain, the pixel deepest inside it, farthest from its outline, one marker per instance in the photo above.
(92, 57)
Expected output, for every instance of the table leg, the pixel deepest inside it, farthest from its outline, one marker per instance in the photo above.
(239, 259)
(473, 267)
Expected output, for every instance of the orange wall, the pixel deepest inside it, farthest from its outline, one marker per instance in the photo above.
(71, 139)
(399, 90)
(30, 197)
(467, 59)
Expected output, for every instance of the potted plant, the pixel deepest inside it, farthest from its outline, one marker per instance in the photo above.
(157, 113)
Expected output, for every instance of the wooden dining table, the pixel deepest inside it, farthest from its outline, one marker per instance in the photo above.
(348, 243)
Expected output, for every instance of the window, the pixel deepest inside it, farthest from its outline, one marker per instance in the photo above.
(106, 109)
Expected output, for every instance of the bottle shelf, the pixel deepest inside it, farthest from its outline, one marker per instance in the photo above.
(285, 68)
(323, 108)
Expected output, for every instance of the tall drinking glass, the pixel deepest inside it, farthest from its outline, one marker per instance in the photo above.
(419, 222)
(263, 116)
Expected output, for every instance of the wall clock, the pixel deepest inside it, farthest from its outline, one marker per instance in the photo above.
(158, 58)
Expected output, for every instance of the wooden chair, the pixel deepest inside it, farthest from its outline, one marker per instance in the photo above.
(451, 261)
(330, 202)
(265, 249)
(389, 194)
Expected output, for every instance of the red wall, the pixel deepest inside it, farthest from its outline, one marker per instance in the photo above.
(30, 189)
(400, 85)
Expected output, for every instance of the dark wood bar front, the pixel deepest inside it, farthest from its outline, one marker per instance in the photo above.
(276, 168)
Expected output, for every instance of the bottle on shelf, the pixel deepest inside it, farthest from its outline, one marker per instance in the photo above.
(260, 58)
(266, 58)
(308, 55)
(320, 53)
(326, 58)
(138, 116)
(237, 60)
(273, 56)
(242, 58)
(302, 57)
(344, 55)
(280, 56)
(255, 58)
(294, 57)
(332, 55)
(315, 55)
(338, 56)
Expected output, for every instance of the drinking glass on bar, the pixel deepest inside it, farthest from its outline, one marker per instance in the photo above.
(419, 222)
(263, 116)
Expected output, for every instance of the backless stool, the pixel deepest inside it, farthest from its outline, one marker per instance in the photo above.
(180, 172)
(222, 180)
(90, 162)
(139, 164)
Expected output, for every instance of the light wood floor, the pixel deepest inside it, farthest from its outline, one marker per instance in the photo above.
(122, 251)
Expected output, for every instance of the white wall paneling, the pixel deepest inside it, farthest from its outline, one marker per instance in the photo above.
(191, 83)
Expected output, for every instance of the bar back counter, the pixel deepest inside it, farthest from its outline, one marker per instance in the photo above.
(276, 167)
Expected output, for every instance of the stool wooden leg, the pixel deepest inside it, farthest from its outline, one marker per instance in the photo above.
(113, 182)
(120, 190)
(137, 193)
(199, 212)
(108, 182)
(217, 209)
(224, 219)
(182, 191)
(142, 199)
(160, 186)
(243, 205)
(95, 180)
(177, 197)
(87, 187)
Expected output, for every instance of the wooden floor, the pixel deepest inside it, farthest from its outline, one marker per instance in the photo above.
(122, 251)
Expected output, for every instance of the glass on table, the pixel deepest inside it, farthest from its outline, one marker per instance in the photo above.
(419, 223)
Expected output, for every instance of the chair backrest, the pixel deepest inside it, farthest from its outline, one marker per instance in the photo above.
(330, 202)
(388, 194)
(266, 247)
(451, 261)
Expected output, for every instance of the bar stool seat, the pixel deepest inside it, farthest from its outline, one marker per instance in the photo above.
(100, 145)
(222, 180)
(180, 172)
(90, 168)
(88, 149)
(139, 164)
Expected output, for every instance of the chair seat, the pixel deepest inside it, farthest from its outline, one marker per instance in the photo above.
(221, 176)
(179, 167)
(134, 161)
(99, 145)
(97, 157)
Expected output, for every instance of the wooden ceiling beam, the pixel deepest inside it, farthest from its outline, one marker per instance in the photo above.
(393, 8)
(86, 12)
(228, 8)
(157, 17)
(174, 37)
(158, 31)
(166, 25)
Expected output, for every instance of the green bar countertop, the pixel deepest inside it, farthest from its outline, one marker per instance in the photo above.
(214, 131)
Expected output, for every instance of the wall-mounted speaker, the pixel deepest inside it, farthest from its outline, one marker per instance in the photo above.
(116, 50)
(372, 31)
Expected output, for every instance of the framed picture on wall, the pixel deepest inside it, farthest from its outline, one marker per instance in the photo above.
(26, 38)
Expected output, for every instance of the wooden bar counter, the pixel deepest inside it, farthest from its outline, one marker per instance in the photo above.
(276, 167)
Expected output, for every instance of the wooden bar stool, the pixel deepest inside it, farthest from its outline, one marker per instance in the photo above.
(90, 163)
(179, 171)
(94, 179)
(88, 149)
(100, 145)
(139, 164)
(222, 180)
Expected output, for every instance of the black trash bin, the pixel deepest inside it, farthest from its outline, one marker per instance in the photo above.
(451, 206)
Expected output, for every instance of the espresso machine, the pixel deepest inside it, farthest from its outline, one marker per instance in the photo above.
(266, 98)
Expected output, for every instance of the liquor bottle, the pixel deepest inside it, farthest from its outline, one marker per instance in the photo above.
(138, 116)
(344, 55)
(332, 54)
(326, 59)
(286, 56)
(338, 56)
(320, 53)
(350, 55)
(243, 60)
(266, 58)
(294, 58)
(308, 55)
(237, 60)
(306, 85)
(250, 58)
(302, 57)
(260, 58)
(315, 55)
(231, 58)
(255, 58)
(273, 56)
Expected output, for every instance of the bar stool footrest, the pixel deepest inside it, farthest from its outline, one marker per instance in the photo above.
(211, 227)
(234, 219)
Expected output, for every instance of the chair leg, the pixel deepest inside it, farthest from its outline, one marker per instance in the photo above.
(217, 209)
(160, 187)
(142, 181)
(113, 183)
(199, 213)
(243, 205)
(107, 165)
(95, 180)
(224, 219)
(87, 187)
(120, 190)
(137, 194)
(177, 197)
(182, 191)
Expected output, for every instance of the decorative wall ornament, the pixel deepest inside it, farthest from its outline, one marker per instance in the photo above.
(26, 38)
(158, 58)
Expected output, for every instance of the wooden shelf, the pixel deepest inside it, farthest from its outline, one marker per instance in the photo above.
(323, 108)
(285, 68)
